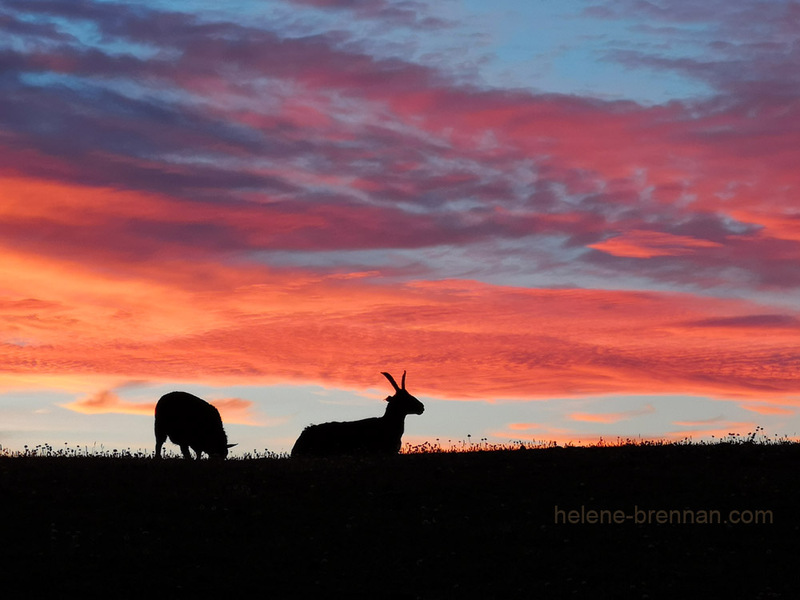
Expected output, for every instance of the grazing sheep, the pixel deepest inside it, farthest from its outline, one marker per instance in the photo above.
(190, 421)
(378, 435)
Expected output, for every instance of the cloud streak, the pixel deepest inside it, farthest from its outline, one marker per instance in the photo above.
(462, 339)
(648, 409)
(232, 410)
(107, 401)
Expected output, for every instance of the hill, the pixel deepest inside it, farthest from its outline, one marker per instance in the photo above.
(499, 524)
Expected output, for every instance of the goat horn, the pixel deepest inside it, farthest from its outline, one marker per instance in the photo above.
(392, 381)
(403, 381)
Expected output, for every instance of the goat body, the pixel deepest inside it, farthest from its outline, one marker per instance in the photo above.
(190, 422)
(367, 436)
(376, 435)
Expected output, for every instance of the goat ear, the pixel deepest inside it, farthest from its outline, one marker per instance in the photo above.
(392, 381)
(232, 445)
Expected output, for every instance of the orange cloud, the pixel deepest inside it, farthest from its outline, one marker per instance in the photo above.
(238, 411)
(108, 402)
(200, 319)
(648, 409)
(647, 244)
(459, 339)
(232, 410)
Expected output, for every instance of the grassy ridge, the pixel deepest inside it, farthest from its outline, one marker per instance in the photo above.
(438, 525)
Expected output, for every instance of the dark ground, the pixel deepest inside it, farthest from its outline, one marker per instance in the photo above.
(468, 525)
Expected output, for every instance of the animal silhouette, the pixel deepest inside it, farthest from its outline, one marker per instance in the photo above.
(190, 422)
(377, 435)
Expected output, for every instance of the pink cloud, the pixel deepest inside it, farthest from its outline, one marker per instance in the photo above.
(646, 244)
(218, 323)
(681, 170)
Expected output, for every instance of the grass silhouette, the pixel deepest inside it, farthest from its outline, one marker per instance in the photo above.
(464, 519)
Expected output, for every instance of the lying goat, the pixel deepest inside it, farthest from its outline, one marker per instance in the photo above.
(378, 435)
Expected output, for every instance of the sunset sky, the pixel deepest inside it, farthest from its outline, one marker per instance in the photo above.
(565, 220)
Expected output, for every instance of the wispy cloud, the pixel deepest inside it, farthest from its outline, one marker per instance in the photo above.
(107, 401)
(232, 410)
(616, 417)
(646, 244)
(769, 409)
(183, 321)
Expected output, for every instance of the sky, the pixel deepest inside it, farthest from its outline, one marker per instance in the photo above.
(565, 220)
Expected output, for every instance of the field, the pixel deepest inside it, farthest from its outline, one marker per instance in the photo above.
(429, 525)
